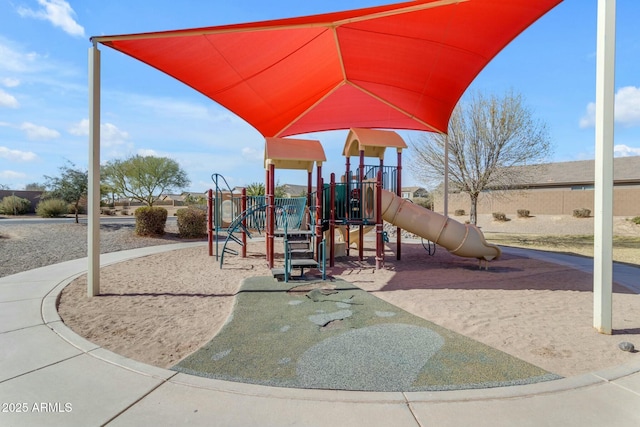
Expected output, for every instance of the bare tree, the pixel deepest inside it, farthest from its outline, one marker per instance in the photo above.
(489, 137)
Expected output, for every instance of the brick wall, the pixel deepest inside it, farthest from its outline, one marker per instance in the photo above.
(626, 202)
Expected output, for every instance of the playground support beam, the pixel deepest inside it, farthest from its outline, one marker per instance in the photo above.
(603, 194)
(210, 221)
(360, 230)
(271, 213)
(399, 194)
(93, 232)
(243, 207)
(379, 226)
(332, 220)
(319, 188)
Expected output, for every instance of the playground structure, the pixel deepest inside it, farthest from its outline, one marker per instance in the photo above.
(360, 202)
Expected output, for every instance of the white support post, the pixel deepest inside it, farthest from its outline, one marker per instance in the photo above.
(603, 196)
(446, 176)
(93, 233)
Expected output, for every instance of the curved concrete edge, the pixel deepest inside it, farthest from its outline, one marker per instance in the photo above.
(54, 322)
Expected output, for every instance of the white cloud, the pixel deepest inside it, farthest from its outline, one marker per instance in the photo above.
(110, 135)
(39, 132)
(251, 154)
(627, 108)
(621, 150)
(8, 100)
(11, 59)
(147, 152)
(57, 12)
(10, 82)
(16, 155)
(12, 175)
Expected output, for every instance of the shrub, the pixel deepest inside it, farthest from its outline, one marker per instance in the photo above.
(523, 213)
(52, 208)
(14, 205)
(192, 223)
(582, 213)
(459, 212)
(636, 220)
(425, 202)
(150, 221)
(499, 216)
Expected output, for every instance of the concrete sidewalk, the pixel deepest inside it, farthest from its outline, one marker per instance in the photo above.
(51, 376)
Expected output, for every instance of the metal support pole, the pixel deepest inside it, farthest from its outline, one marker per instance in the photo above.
(272, 213)
(210, 220)
(93, 232)
(332, 219)
(318, 210)
(379, 227)
(603, 194)
(243, 207)
(399, 194)
(361, 186)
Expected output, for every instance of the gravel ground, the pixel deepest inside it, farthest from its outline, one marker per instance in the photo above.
(27, 246)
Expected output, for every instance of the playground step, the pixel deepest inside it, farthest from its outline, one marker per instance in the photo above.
(278, 273)
(301, 263)
(230, 251)
(299, 245)
(236, 239)
(301, 253)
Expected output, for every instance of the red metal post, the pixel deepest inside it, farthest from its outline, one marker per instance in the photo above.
(379, 227)
(318, 211)
(309, 187)
(361, 186)
(347, 192)
(332, 220)
(210, 220)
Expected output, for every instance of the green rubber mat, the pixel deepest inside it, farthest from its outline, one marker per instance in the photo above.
(333, 335)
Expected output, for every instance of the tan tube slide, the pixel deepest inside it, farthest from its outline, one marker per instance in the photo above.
(464, 240)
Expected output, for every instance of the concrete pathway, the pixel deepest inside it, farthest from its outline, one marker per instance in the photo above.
(51, 376)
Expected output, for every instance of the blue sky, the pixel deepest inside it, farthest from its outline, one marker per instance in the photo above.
(43, 87)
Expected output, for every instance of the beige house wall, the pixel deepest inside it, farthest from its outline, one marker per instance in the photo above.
(626, 202)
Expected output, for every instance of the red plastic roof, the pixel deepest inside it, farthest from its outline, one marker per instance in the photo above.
(399, 66)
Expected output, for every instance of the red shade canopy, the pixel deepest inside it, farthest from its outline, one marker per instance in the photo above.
(400, 66)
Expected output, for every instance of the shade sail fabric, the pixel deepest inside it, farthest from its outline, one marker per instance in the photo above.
(399, 66)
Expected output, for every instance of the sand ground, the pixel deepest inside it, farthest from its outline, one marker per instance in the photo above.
(159, 309)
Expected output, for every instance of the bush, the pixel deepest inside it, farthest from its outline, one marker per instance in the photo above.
(523, 213)
(192, 223)
(582, 213)
(14, 205)
(459, 212)
(636, 220)
(499, 216)
(425, 202)
(52, 208)
(150, 221)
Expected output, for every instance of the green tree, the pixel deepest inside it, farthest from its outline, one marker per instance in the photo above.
(255, 189)
(144, 178)
(71, 186)
(488, 137)
(35, 186)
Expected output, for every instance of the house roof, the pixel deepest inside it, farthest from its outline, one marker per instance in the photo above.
(626, 171)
